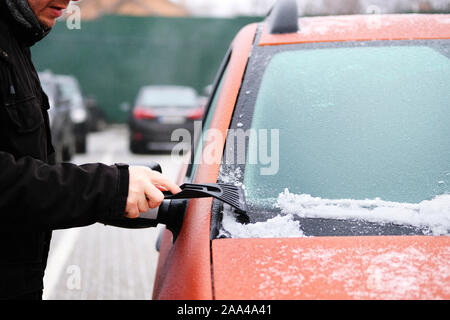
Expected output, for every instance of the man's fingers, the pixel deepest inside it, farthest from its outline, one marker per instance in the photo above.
(143, 204)
(132, 212)
(154, 196)
(163, 181)
(145, 183)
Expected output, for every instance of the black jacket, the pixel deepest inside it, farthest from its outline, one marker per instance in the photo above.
(37, 196)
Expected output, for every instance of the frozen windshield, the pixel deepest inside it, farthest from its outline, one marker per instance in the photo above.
(363, 134)
(357, 123)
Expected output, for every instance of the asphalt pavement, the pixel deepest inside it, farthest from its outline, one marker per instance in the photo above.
(103, 262)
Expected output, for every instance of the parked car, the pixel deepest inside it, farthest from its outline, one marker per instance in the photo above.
(345, 165)
(63, 135)
(158, 111)
(96, 117)
(71, 91)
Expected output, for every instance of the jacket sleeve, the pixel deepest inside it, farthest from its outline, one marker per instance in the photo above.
(34, 194)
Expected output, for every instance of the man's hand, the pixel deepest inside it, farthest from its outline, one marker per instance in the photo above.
(144, 190)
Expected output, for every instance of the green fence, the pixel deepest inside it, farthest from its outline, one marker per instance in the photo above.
(114, 56)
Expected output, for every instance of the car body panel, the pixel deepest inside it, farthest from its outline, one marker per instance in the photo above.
(196, 267)
(397, 267)
(166, 236)
(71, 92)
(364, 28)
(62, 127)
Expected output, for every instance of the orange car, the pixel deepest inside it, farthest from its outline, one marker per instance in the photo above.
(337, 128)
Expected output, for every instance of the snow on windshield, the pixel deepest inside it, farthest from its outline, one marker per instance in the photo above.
(282, 226)
(231, 175)
(432, 215)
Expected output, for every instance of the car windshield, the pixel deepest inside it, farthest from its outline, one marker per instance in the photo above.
(351, 133)
(167, 97)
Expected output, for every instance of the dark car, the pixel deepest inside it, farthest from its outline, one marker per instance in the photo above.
(71, 92)
(96, 120)
(158, 112)
(63, 136)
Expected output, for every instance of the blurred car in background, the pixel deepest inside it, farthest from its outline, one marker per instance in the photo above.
(63, 136)
(71, 92)
(158, 111)
(96, 119)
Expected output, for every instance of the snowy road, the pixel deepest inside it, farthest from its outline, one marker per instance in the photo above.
(100, 262)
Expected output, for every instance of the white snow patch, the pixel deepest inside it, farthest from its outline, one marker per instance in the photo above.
(433, 214)
(230, 175)
(277, 227)
(400, 274)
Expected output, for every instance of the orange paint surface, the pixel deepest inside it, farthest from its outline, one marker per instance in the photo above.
(395, 267)
(166, 241)
(186, 274)
(364, 28)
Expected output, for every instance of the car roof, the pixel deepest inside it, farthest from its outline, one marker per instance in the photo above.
(363, 28)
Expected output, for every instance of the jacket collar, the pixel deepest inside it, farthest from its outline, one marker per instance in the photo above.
(23, 22)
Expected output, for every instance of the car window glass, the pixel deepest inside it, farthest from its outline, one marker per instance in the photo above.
(207, 123)
(162, 97)
(356, 123)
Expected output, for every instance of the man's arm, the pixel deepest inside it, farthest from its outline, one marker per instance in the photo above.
(36, 194)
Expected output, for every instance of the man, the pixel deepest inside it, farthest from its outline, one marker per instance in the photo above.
(36, 195)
